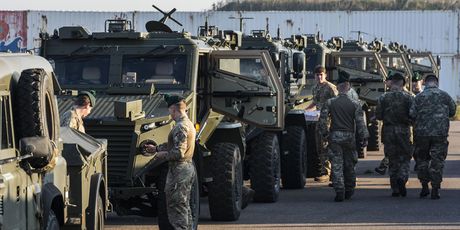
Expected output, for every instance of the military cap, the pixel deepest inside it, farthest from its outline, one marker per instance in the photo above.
(397, 76)
(343, 77)
(417, 76)
(91, 95)
(431, 76)
(173, 99)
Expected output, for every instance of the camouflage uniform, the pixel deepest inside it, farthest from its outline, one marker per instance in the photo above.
(346, 115)
(321, 93)
(393, 109)
(72, 120)
(179, 181)
(431, 111)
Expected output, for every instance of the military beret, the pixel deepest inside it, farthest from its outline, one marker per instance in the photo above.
(343, 77)
(417, 76)
(173, 99)
(91, 95)
(431, 76)
(397, 76)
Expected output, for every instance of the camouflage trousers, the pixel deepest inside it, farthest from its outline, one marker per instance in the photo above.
(398, 149)
(177, 190)
(324, 166)
(431, 152)
(343, 156)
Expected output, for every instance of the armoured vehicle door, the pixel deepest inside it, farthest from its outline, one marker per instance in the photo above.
(245, 86)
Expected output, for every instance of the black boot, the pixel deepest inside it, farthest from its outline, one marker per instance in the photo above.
(425, 190)
(349, 194)
(402, 187)
(247, 196)
(435, 193)
(339, 197)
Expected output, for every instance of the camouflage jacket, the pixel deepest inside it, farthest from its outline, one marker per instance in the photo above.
(72, 120)
(346, 115)
(181, 141)
(393, 108)
(431, 111)
(322, 93)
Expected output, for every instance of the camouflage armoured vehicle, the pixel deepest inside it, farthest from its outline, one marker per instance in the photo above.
(131, 71)
(42, 187)
(289, 60)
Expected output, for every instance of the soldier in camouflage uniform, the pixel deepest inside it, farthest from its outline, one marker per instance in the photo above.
(416, 89)
(393, 109)
(322, 91)
(431, 111)
(82, 107)
(346, 116)
(178, 152)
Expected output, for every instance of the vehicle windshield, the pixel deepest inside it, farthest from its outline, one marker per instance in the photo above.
(367, 64)
(422, 63)
(160, 70)
(81, 70)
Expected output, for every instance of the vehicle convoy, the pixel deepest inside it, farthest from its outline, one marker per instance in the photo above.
(50, 177)
(290, 63)
(131, 71)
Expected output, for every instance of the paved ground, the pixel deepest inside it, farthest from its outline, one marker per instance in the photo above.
(371, 207)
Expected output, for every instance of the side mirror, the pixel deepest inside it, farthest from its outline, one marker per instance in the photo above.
(299, 64)
(438, 62)
(39, 148)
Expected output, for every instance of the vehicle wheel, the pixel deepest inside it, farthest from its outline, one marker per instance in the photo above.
(293, 164)
(313, 169)
(265, 167)
(52, 223)
(195, 201)
(225, 191)
(36, 112)
(373, 128)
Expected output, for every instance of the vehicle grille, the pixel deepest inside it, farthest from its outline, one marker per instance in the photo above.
(119, 139)
(1, 205)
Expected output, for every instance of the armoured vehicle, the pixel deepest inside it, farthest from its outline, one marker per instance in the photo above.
(289, 60)
(49, 177)
(131, 71)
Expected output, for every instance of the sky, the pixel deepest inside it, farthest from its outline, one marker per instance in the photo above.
(109, 5)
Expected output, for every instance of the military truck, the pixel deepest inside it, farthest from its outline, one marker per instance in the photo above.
(131, 71)
(289, 60)
(43, 187)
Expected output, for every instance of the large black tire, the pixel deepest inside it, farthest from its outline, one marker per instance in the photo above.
(293, 159)
(36, 112)
(373, 128)
(264, 167)
(225, 191)
(52, 222)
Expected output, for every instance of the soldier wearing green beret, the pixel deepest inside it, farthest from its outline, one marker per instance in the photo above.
(417, 80)
(82, 107)
(178, 152)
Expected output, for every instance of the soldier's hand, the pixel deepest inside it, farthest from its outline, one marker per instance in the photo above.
(150, 148)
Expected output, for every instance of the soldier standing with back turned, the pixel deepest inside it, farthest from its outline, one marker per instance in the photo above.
(346, 115)
(393, 109)
(178, 152)
(322, 91)
(431, 111)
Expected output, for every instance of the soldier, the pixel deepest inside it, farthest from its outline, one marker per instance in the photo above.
(82, 107)
(416, 89)
(346, 115)
(178, 152)
(431, 111)
(322, 91)
(393, 109)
